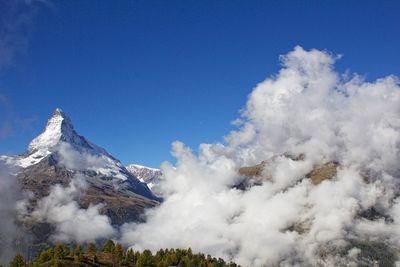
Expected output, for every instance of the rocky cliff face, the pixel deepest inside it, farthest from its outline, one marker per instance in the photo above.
(150, 176)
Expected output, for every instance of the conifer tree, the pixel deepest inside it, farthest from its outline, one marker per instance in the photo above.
(61, 251)
(78, 253)
(43, 257)
(159, 256)
(130, 257)
(146, 259)
(18, 261)
(190, 253)
(91, 248)
(184, 262)
(162, 263)
(119, 253)
(172, 259)
(109, 246)
(78, 250)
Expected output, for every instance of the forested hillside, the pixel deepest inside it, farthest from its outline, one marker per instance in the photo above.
(113, 254)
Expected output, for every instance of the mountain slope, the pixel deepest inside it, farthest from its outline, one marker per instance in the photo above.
(150, 176)
(60, 154)
(61, 146)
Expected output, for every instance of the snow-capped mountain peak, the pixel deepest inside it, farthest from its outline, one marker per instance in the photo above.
(61, 145)
(59, 128)
(60, 138)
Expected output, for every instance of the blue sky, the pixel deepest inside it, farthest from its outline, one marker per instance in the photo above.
(135, 76)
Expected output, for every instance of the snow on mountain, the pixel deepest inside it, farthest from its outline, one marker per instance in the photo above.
(150, 176)
(74, 151)
(77, 179)
(60, 132)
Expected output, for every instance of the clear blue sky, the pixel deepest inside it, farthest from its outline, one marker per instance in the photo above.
(136, 75)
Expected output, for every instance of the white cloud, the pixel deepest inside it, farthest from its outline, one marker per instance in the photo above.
(306, 108)
(75, 160)
(71, 222)
(9, 193)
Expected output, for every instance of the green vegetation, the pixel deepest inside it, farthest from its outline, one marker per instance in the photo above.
(18, 261)
(114, 255)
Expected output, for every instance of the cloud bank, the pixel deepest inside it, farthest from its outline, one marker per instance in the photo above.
(307, 108)
(9, 193)
(72, 223)
(60, 207)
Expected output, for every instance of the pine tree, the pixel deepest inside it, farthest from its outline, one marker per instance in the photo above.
(146, 259)
(43, 257)
(172, 259)
(78, 250)
(159, 256)
(162, 263)
(119, 253)
(184, 262)
(190, 253)
(91, 248)
(109, 246)
(61, 251)
(78, 253)
(18, 261)
(56, 263)
(130, 257)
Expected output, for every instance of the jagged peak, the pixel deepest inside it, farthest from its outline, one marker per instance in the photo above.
(58, 112)
(60, 119)
(58, 128)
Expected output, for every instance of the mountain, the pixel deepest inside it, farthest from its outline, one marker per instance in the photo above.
(59, 154)
(150, 176)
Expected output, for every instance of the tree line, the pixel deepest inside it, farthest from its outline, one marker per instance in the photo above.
(114, 255)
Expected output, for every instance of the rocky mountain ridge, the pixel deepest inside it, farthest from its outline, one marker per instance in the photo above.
(150, 176)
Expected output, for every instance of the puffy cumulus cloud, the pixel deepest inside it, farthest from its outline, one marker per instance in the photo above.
(71, 222)
(307, 108)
